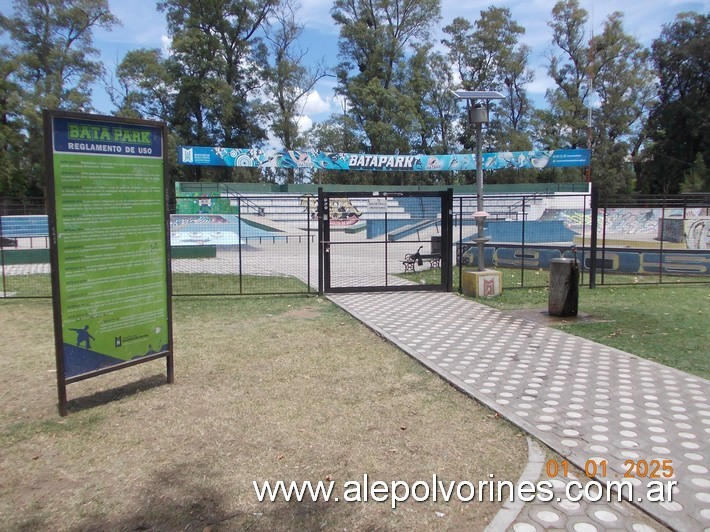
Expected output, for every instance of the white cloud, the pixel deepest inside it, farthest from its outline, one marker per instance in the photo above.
(541, 83)
(315, 104)
(315, 15)
(304, 123)
(341, 103)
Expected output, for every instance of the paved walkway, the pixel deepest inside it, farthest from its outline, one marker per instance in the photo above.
(590, 403)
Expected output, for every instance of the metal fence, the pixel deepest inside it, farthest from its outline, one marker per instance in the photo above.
(24, 248)
(526, 232)
(243, 245)
(619, 240)
(653, 239)
(268, 244)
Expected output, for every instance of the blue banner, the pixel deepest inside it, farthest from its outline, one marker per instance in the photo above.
(257, 158)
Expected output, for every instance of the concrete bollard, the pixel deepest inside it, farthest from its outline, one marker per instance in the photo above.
(564, 288)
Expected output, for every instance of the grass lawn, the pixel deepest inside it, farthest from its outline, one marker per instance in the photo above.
(209, 283)
(35, 285)
(40, 285)
(267, 388)
(666, 323)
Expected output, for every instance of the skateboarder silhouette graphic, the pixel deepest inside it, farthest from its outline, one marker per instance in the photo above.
(83, 336)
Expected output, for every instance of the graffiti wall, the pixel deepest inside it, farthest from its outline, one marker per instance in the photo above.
(342, 211)
(694, 232)
(194, 203)
(697, 233)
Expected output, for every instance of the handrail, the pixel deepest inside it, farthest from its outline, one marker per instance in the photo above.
(243, 200)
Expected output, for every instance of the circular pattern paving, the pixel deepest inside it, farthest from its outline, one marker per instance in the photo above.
(589, 400)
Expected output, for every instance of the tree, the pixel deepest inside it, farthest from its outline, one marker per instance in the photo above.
(429, 82)
(292, 81)
(375, 38)
(602, 95)
(337, 134)
(12, 141)
(217, 62)
(482, 52)
(144, 87)
(55, 65)
(679, 126)
(623, 85)
(570, 68)
(697, 179)
(487, 55)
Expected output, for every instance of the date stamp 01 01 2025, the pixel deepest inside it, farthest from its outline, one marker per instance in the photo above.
(656, 472)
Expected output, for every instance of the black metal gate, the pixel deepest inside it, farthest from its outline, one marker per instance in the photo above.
(375, 241)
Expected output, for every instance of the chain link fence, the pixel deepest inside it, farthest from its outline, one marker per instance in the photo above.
(241, 244)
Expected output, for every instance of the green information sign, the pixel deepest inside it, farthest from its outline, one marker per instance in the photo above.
(108, 228)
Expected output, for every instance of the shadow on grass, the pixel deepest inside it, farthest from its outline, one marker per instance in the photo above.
(181, 497)
(115, 394)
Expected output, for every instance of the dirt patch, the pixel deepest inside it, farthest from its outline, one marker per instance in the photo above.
(542, 317)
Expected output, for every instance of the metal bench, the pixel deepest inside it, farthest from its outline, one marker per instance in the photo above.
(411, 260)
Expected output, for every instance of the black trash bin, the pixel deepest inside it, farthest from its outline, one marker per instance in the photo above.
(564, 287)
(436, 245)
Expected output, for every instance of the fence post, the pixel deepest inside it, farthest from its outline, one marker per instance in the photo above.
(459, 254)
(239, 242)
(606, 210)
(447, 233)
(663, 236)
(2, 261)
(308, 246)
(593, 239)
(387, 235)
(522, 262)
(320, 241)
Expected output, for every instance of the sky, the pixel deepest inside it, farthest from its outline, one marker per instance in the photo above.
(144, 27)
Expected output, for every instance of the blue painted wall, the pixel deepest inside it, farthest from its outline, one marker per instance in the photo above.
(535, 232)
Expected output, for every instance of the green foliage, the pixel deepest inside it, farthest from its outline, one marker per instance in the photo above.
(51, 62)
(336, 134)
(697, 179)
(488, 56)
(12, 141)
(235, 71)
(623, 83)
(218, 59)
(374, 40)
(144, 85)
(569, 66)
(679, 126)
(604, 89)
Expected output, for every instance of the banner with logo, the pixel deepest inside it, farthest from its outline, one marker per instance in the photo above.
(257, 158)
(108, 238)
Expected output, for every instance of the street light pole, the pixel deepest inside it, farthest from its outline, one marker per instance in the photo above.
(480, 214)
(478, 115)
